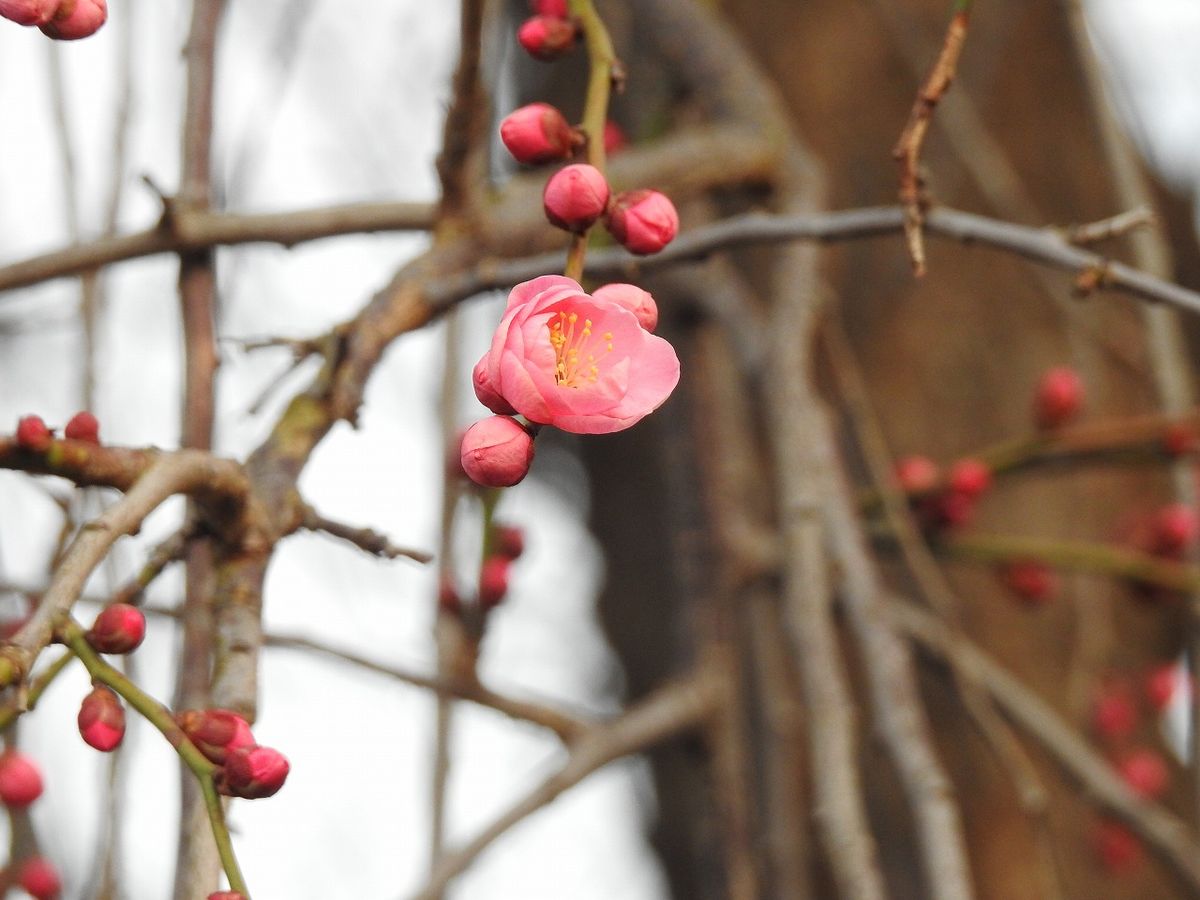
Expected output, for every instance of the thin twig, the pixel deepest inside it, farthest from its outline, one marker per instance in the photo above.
(668, 712)
(365, 539)
(907, 151)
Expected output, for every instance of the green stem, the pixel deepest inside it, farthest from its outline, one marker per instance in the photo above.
(576, 256)
(160, 717)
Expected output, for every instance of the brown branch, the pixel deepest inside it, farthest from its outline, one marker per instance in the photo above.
(907, 151)
(365, 539)
(459, 165)
(668, 712)
(182, 472)
(1163, 832)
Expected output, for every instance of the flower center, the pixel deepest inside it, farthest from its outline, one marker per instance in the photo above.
(575, 361)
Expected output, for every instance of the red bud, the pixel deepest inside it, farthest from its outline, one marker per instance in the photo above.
(102, 719)
(20, 779)
(83, 426)
(119, 628)
(537, 133)
(575, 197)
(643, 221)
(38, 878)
(253, 772)
(32, 434)
(215, 732)
(1059, 397)
(547, 37)
(493, 581)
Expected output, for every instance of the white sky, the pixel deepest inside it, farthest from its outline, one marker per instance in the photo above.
(357, 117)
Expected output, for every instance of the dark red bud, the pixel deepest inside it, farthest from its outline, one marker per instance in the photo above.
(32, 434)
(83, 426)
(120, 628)
(102, 719)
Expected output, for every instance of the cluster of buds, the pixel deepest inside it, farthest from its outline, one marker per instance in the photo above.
(244, 768)
(943, 502)
(63, 20)
(35, 435)
(508, 545)
(642, 221)
(21, 784)
(550, 32)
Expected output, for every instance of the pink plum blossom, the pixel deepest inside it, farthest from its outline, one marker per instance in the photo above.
(633, 298)
(76, 19)
(580, 363)
(496, 452)
(28, 12)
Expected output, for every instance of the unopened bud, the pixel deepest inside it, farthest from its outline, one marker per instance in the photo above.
(253, 772)
(547, 37)
(633, 298)
(486, 392)
(28, 12)
(575, 197)
(493, 581)
(1146, 773)
(916, 474)
(102, 719)
(970, 476)
(75, 20)
(614, 138)
(549, 8)
(226, 895)
(119, 628)
(537, 133)
(496, 452)
(83, 426)
(20, 779)
(1031, 580)
(1174, 529)
(1059, 397)
(643, 221)
(32, 434)
(510, 541)
(39, 878)
(215, 732)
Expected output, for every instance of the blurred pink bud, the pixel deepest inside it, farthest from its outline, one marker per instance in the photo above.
(1118, 848)
(970, 476)
(537, 133)
(497, 452)
(1114, 714)
(215, 732)
(633, 298)
(83, 426)
(575, 197)
(75, 20)
(493, 581)
(1163, 681)
(643, 221)
(32, 434)
(119, 628)
(549, 8)
(102, 719)
(226, 895)
(1174, 529)
(614, 138)
(1059, 397)
(510, 541)
(486, 392)
(1146, 773)
(20, 779)
(28, 12)
(916, 474)
(547, 37)
(38, 878)
(253, 773)
(1031, 580)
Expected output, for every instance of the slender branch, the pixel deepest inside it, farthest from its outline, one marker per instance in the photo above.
(366, 539)
(907, 151)
(1165, 834)
(668, 712)
(168, 551)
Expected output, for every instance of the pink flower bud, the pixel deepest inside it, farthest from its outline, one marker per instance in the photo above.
(1162, 682)
(1174, 529)
(1114, 714)
(1031, 580)
(493, 581)
(916, 474)
(537, 133)
(1179, 440)
(1146, 773)
(575, 197)
(119, 628)
(510, 541)
(1117, 847)
(547, 37)
(75, 20)
(32, 434)
(20, 779)
(643, 221)
(83, 426)
(1059, 397)
(970, 476)
(496, 452)
(614, 138)
(28, 12)
(226, 895)
(102, 719)
(253, 772)
(215, 732)
(633, 298)
(38, 878)
(486, 392)
(550, 8)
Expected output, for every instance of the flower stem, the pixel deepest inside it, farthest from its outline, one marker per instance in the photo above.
(160, 717)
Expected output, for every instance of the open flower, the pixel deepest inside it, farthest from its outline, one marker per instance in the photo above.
(580, 363)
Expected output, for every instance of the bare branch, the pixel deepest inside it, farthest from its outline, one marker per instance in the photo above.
(366, 539)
